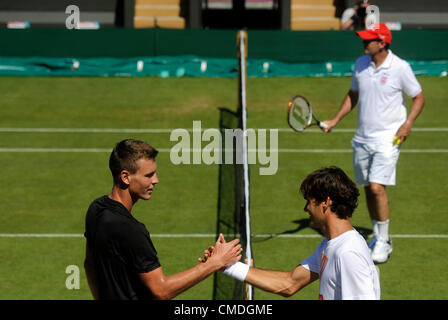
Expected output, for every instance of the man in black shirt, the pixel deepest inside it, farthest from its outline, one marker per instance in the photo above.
(121, 261)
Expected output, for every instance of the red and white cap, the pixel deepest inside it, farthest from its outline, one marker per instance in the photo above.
(376, 31)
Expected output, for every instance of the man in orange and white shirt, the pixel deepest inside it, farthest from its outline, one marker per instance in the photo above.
(342, 261)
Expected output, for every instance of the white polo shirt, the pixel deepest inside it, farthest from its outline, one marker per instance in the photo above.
(345, 268)
(381, 104)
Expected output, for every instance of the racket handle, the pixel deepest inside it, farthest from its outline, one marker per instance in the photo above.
(323, 125)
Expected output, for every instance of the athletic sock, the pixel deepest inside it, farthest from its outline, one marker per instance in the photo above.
(375, 227)
(383, 229)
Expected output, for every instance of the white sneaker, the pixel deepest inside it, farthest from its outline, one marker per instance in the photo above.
(381, 250)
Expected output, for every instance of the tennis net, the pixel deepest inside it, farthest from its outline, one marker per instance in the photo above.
(233, 188)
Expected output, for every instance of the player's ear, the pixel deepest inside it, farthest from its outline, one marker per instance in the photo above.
(327, 204)
(125, 177)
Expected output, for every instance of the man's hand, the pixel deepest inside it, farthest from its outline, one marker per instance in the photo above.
(224, 253)
(403, 132)
(330, 125)
(207, 254)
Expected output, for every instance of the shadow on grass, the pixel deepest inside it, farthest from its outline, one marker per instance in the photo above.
(304, 224)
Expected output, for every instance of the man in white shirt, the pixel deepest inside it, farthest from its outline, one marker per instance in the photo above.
(342, 260)
(378, 83)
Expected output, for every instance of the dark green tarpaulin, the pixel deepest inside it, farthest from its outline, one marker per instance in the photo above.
(210, 53)
(285, 46)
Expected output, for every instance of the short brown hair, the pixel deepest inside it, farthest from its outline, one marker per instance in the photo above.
(125, 155)
(332, 182)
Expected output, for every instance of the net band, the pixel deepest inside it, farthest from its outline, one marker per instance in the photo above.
(243, 56)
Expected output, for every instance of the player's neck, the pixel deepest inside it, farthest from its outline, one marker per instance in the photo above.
(336, 227)
(122, 195)
(379, 58)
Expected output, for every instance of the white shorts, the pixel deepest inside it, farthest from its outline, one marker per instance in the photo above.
(375, 162)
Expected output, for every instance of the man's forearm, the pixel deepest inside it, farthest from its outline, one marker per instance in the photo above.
(280, 282)
(272, 281)
(222, 255)
(167, 287)
(184, 280)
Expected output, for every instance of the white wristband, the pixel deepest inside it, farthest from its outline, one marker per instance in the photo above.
(238, 270)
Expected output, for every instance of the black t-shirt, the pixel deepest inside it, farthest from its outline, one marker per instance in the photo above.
(121, 248)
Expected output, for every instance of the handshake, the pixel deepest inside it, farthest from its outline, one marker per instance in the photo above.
(228, 255)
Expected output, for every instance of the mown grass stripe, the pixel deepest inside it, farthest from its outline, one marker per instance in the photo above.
(168, 130)
(211, 235)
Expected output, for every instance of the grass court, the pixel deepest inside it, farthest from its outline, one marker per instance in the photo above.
(47, 192)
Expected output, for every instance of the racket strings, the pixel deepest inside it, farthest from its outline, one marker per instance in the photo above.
(300, 115)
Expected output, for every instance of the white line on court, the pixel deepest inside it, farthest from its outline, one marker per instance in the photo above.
(50, 150)
(129, 130)
(350, 150)
(62, 150)
(353, 130)
(211, 235)
(85, 130)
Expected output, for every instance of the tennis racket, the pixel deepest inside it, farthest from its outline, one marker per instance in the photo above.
(300, 115)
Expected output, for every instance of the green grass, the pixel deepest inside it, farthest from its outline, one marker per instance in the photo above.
(50, 192)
